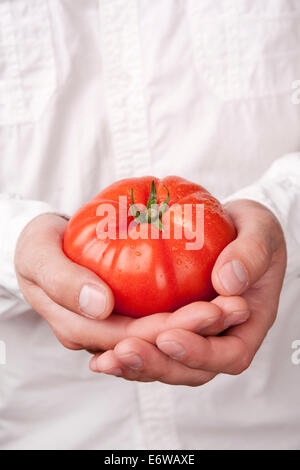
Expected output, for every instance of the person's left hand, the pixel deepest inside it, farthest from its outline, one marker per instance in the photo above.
(253, 266)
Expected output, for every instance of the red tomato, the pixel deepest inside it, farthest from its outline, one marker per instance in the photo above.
(157, 274)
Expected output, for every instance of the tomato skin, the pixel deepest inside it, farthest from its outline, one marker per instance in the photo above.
(151, 275)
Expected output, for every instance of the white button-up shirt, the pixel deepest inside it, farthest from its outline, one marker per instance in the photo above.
(93, 91)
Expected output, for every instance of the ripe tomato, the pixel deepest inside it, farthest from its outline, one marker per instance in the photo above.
(159, 273)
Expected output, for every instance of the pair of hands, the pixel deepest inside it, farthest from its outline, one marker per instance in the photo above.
(188, 347)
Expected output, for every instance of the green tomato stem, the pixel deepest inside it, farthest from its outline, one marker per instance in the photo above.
(153, 212)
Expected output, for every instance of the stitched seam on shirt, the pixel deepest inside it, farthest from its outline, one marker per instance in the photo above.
(123, 77)
(29, 76)
(11, 84)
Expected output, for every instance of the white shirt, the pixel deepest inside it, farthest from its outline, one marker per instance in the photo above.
(93, 91)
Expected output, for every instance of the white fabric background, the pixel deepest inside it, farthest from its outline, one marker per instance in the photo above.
(92, 91)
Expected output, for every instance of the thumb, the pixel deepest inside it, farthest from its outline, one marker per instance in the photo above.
(40, 260)
(248, 257)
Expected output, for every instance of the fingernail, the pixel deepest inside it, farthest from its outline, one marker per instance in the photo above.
(207, 323)
(233, 276)
(116, 372)
(133, 361)
(172, 349)
(92, 301)
(236, 318)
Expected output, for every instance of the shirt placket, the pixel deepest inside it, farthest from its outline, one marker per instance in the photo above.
(122, 68)
(126, 104)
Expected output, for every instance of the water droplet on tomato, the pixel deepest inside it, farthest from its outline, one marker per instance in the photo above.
(179, 261)
(138, 253)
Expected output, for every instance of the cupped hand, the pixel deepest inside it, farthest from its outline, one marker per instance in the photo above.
(250, 270)
(78, 305)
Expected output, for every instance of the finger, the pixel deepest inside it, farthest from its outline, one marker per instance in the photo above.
(66, 283)
(75, 331)
(111, 365)
(139, 359)
(205, 318)
(196, 316)
(235, 311)
(194, 351)
(201, 317)
(248, 257)
(231, 353)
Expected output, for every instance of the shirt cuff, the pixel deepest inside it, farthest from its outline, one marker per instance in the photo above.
(15, 215)
(279, 191)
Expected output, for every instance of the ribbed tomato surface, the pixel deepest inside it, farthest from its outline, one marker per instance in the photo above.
(157, 274)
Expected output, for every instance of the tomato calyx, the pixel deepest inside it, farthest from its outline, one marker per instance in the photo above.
(153, 212)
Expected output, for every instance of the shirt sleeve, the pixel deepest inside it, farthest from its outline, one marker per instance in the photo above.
(279, 191)
(15, 214)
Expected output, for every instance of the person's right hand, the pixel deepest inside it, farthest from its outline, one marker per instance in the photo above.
(77, 304)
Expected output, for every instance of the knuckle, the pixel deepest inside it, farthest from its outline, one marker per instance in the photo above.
(68, 336)
(30, 259)
(128, 344)
(49, 282)
(163, 377)
(130, 375)
(67, 342)
(128, 328)
(197, 383)
(243, 362)
(200, 380)
(74, 333)
(69, 345)
(27, 288)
